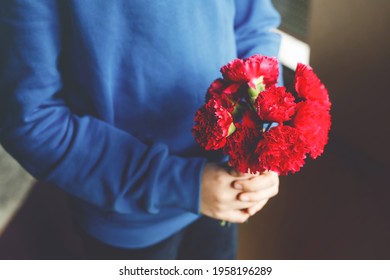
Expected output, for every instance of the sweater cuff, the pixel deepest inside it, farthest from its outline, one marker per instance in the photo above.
(184, 185)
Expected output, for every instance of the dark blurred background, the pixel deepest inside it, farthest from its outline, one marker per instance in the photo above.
(336, 207)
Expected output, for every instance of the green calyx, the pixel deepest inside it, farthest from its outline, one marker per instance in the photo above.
(259, 87)
(232, 129)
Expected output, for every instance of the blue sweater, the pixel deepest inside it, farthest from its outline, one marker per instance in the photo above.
(98, 97)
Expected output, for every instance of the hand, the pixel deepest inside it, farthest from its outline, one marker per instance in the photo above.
(258, 189)
(219, 199)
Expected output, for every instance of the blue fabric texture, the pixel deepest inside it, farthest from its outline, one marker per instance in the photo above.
(204, 239)
(98, 97)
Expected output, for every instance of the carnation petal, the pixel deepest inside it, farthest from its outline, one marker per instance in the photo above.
(309, 86)
(234, 71)
(212, 125)
(282, 150)
(251, 69)
(313, 120)
(259, 65)
(275, 105)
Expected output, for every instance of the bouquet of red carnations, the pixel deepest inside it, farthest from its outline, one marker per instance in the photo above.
(260, 125)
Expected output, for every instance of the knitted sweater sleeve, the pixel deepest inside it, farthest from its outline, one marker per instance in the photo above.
(255, 25)
(83, 155)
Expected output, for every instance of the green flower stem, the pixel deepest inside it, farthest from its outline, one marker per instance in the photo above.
(227, 224)
(224, 224)
(251, 103)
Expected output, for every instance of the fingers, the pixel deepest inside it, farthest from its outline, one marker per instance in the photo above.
(256, 208)
(232, 210)
(258, 189)
(234, 216)
(229, 200)
(259, 195)
(258, 182)
(232, 196)
(241, 216)
(240, 205)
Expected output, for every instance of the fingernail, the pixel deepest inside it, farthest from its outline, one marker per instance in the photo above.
(244, 198)
(238, 186)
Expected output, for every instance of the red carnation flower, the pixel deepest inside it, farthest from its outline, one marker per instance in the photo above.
(224, 91)
(250, 69)
(282, 150)
(258, 65)
(239, 107)
(220, 86)
(213, 123)
(241, 145)
(234, 71)
(313, 121)
(309, 86)
(275, 105)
